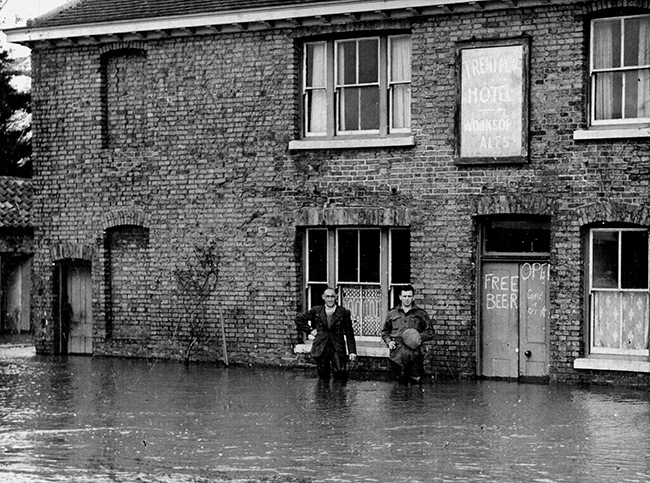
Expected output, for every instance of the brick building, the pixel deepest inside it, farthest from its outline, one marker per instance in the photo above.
(16, 251)
(494, 153)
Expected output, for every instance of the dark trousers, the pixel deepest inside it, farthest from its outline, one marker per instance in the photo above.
(330, 362)
(407, 364)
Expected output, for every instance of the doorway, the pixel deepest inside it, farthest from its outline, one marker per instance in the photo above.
(514, 299)
(15, 282)
(75, 334)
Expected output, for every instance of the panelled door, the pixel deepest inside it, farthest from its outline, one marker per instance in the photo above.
(514, 313)
(76, 308)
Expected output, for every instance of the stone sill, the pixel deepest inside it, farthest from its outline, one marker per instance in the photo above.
(352, 143)
(602, 364)
(365, 348)
(621, 133)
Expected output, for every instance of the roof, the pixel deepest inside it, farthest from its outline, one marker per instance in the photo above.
(15, 202)
(78, 12)
(93, 21)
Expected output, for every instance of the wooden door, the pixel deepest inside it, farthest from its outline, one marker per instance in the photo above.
(78, 294)
(533, 313)
(500, 320)
(514, 309)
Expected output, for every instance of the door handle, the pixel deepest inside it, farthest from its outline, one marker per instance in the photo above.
(527, 353)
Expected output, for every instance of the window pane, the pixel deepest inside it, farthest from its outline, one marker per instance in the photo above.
(517, 236)
(605, 259)
(634, 259)
(400, 59)
(631, 47)
(609, 87)
(607, 44)
(631, 94)
(315, 96)
(348, 255)
(637, 40)
(349, 109)
(634, 313)
(316, 294)
(607, 320)
(400, 106)
(316, 65)
(369, 104)
(316, 111)
(347, 62)
(317, 255)
(369, 255)
(368, 61)
(644, 40)
(400, 257)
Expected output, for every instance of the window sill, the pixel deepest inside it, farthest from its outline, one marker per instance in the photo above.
(365, 348)
(620, 133)
(352, 143)
(611, 364)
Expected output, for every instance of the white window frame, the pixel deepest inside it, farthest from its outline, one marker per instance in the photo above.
(386, 87)
(385, 283)
(617, 290)
(593, 73)
(340, 87)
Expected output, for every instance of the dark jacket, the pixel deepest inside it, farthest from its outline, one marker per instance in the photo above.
(397, 321)
(341, 326)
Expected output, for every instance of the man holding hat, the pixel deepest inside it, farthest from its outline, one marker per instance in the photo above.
(405, 328)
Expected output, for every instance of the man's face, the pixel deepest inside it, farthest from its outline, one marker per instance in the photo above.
(406, 297)
(329, 296)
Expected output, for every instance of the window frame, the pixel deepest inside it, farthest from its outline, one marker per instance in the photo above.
(332, 90)
(592, 290)
(593, 73)
(386, 284)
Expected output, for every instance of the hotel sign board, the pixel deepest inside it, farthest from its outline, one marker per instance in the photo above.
(492, 112)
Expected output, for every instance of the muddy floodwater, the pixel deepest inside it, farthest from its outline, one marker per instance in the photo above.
(83, 419)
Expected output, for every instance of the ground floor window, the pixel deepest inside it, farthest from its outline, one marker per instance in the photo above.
(367, 265)
(619, 299)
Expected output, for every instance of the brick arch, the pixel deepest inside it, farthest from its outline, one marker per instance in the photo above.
(601, 5)
(66, 251)
(514, 205)
(611, 211)
(125, 217)
(117, 47)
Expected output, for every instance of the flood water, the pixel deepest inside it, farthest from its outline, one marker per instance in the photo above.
(109, 420)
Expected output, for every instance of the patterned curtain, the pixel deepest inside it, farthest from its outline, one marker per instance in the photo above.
(364, 303)
(620, 320)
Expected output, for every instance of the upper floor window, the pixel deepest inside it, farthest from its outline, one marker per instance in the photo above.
(359, 86)
(620, 70)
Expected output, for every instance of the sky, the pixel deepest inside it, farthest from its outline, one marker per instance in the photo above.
(14, 13)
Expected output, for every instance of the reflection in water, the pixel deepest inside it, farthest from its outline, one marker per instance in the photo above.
(105, 420)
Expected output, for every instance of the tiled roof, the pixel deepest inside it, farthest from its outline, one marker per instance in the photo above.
(98, 11)
(15, 202)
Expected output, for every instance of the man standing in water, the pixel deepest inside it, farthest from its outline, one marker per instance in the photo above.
(331, 327)
(405, 328)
